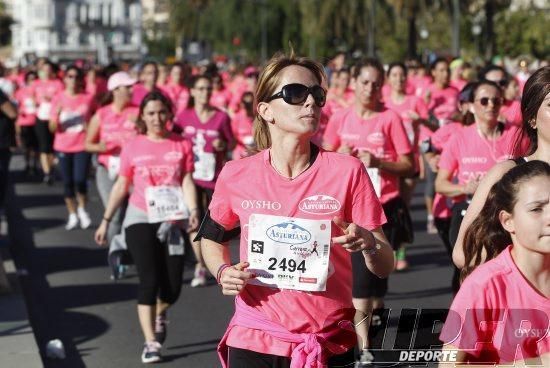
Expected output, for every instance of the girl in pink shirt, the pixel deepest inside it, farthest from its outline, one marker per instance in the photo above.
(44, 89)
(508, 322)
(176, 88)
(289, 312)
(210, 131)
(510, 111)
(148, 76)
(376, 135)
(158, 165)
(241, 125)
(70, 112)
(472, 152)
(26, 119)
(221, 96)
(111, 127)
(441, 98)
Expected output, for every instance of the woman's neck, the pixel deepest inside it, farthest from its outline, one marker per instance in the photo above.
(397, 95)
(71, 91)
(202, 108)
(290, 156)
(542, 153)
(157, 136)
(119, 105)
(535, 267)
(368, 110)
(488, 130)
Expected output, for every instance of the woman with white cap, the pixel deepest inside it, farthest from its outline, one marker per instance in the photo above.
(111, 126)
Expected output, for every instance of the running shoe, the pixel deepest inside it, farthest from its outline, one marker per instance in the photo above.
(401, 263)
(84, 218)
(151, 352)
(72, 222)
(160, 328)
(48, 179)
(430, 225)
(366, 359)
(200, 277)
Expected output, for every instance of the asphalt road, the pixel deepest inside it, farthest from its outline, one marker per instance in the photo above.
(71, 297)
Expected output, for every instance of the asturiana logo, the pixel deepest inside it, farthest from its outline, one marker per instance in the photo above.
(319, 205)
(288, 233)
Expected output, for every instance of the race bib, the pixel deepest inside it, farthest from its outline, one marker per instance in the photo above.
(165, 203)
(44, 111)
(113, 167)
(29, 106)
(375, 178)
(289, 253)
(205, 166)
(71, 121)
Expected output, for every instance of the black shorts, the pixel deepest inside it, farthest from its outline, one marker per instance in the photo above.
(28, 138)
(242, 358)
(44, 136)
(204, 197)
(398, 230)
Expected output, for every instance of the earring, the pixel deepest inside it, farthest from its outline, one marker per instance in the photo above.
(533, 123)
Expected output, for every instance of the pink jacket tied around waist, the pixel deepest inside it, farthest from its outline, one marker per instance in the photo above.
(309, 352)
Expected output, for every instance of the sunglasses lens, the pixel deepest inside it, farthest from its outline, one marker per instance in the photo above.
(319, 95)
(295, 94)
(484, 101)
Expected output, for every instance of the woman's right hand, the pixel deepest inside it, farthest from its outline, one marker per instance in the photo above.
(100, 234)
(233, 279)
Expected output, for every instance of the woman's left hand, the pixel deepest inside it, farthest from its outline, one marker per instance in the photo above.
(219, 144)
(193, 221)
(355, 237)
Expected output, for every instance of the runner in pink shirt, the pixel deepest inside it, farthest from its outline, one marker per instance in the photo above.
(221, 96)
(44, 89)
(70, 113)
(96, 84)
(210, 131)
(472, 152)
(340, 95)
(441, 97)
(456, 68)
(376, 135)
(241, 126)
(148, 76)
(111, 127)
(508, 323)
(158, 166)
(413, 113)
(176, 88)
(248, 85)
(293, 304)
(26, 119)
(510, 112)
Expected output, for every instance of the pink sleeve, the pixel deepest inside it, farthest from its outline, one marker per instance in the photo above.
(332, 136)
(226, 130)
(220, 206)
(399, 137)
(188, 159)
(471, 320)
(126, 168)
(54, 111)
(421, 108)
(366, 210)
(449, 157)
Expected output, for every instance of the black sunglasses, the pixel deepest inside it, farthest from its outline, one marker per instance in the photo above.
(484, 101)
(296, 94)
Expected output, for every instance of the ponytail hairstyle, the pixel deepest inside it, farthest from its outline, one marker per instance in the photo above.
(269, 80)
(534, 92)
(486, 238)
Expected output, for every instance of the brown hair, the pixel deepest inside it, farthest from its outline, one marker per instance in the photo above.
(534, 92)
(486, 236)
(269, 80)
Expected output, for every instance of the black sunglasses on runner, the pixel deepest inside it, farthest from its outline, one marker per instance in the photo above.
(296, 94)
(484, 101)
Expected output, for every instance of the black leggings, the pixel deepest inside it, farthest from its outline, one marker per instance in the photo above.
(159, 273)
(241, 358)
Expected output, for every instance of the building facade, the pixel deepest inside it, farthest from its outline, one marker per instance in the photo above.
(63, 30)
(156, 14)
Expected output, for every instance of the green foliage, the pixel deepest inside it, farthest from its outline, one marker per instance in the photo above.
(526, 33)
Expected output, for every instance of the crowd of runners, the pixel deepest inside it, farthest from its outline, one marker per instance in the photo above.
(311, 170)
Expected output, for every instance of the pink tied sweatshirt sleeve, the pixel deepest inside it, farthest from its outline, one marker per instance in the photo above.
(309, 352)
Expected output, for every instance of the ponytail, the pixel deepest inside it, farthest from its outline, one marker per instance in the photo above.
(262, 137)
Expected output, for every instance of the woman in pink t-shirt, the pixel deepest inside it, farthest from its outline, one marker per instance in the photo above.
(241, 125)
(71, 111)
(176, 89)
(157, 164)
(111, 127)
(510, 111)
(535, 109)
(376, 135)
(339, 96)
(221, 96)
(440, 96)
(26, 119)
(209, 129)
(148, 77)
(472, 152)
(44, 89)
(501, 315)
(294, 303)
